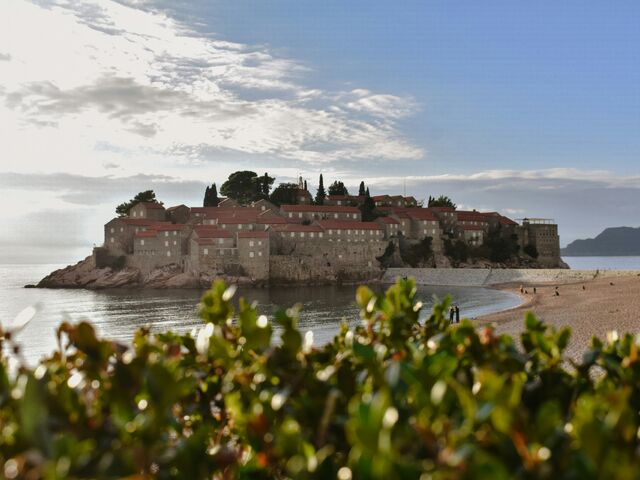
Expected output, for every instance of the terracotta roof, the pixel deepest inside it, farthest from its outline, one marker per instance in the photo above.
(297, 227)
(319, 208)
(211, 232)
(410, 199)
(150, 205)
(341, 197)
(443, 209)
(348, 225)
(380, 197)
(472, 217)
(147, 233)
(170, 209)
(254, 234)
(271, 220)
(472, 227)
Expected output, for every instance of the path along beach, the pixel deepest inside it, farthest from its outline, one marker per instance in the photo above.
(590, 308)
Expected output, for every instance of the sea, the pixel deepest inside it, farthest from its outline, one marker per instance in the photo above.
(603, 263)
(118, 313)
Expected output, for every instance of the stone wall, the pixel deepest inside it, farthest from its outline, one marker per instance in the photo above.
(307, 269)
(477, 277)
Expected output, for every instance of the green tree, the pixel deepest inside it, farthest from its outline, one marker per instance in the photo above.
(361, 190)
(285, 194)
(441, 201)
(263, 186)
(244, 187)
(147, 196)
(320, 194)
(338, 188)
(305, 186)
(368, 209)
(211, 198)
(531, 250)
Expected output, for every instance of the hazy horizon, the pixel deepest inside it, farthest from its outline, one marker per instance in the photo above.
(532, 110)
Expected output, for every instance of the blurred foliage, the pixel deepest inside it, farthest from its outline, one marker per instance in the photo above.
(394, 397)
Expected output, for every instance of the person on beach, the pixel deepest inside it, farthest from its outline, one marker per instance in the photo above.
(535, 290)
(452, 312)
(457, 314)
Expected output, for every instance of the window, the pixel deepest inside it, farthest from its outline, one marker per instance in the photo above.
(112, 230)
(335, 215)
(135, 214)
(355, 215)
(330, 232)
(320, 234)
(259, 242)
(112, 240)
(168, 253)
(206, 251)
(175, 243)
(301, 234)
(293, 234)
(251, 255)
(175, 233)
(300, 215)
(166, 243)
(121, 229)
(259, 254)
(141, 242)
(251, 243)
(221, 252)
(290, 214)
(239, 226)
(311, 234)
(166, 234)
(220, 241)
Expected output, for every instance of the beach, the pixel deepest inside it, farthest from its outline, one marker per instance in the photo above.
(590, 308)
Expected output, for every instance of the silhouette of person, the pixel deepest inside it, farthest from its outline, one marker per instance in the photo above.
(457, 314)
(452, 312)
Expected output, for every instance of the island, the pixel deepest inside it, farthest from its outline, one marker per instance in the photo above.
(290, 237)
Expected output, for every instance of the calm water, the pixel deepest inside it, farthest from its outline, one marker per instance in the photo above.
(118, 313)
(602, 263)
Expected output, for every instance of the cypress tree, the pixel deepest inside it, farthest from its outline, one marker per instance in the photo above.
(321, 194)
(305, 185)
(207, 194)
(361, 191)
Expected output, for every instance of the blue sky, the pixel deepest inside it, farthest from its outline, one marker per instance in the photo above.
(529, 108)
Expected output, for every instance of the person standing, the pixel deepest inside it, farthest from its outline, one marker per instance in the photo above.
(457, 314)
(451, 314)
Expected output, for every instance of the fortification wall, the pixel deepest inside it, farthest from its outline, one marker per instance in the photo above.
(307, 269)
(475, 277)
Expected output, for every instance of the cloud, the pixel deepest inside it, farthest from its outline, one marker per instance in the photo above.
(146, 84)
(4, 57)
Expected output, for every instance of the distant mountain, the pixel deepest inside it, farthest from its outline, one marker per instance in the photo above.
(618, 241)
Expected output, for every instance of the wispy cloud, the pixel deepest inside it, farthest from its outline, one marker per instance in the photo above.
(145, 83)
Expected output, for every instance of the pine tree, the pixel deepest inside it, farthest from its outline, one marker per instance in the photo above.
(207, 194)
(320, 194)
(367, 193)
(305, 185)
(361, 191)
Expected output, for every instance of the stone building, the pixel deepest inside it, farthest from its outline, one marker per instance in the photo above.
(148, 210)
(253, 254)
(300, 213)
(541, 233)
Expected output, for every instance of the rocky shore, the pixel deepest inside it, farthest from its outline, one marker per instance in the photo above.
(85, 274)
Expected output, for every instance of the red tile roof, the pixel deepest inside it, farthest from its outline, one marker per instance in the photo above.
(206, 231)
(271, 220)
(254, 234)
(297, 227)
(348, 225)
(319, 208)
(169, 227)
(472, 227)
(472, 217)
(170, 209)
(380, 197)
(420, 214)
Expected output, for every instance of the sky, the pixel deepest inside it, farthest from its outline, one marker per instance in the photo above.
(528, 108)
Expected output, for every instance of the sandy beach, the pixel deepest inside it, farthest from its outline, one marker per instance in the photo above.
(590, 308)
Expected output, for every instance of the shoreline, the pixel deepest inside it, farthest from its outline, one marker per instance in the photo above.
(590, 308)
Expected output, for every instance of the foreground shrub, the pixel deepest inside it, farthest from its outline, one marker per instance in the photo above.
(392, 398)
